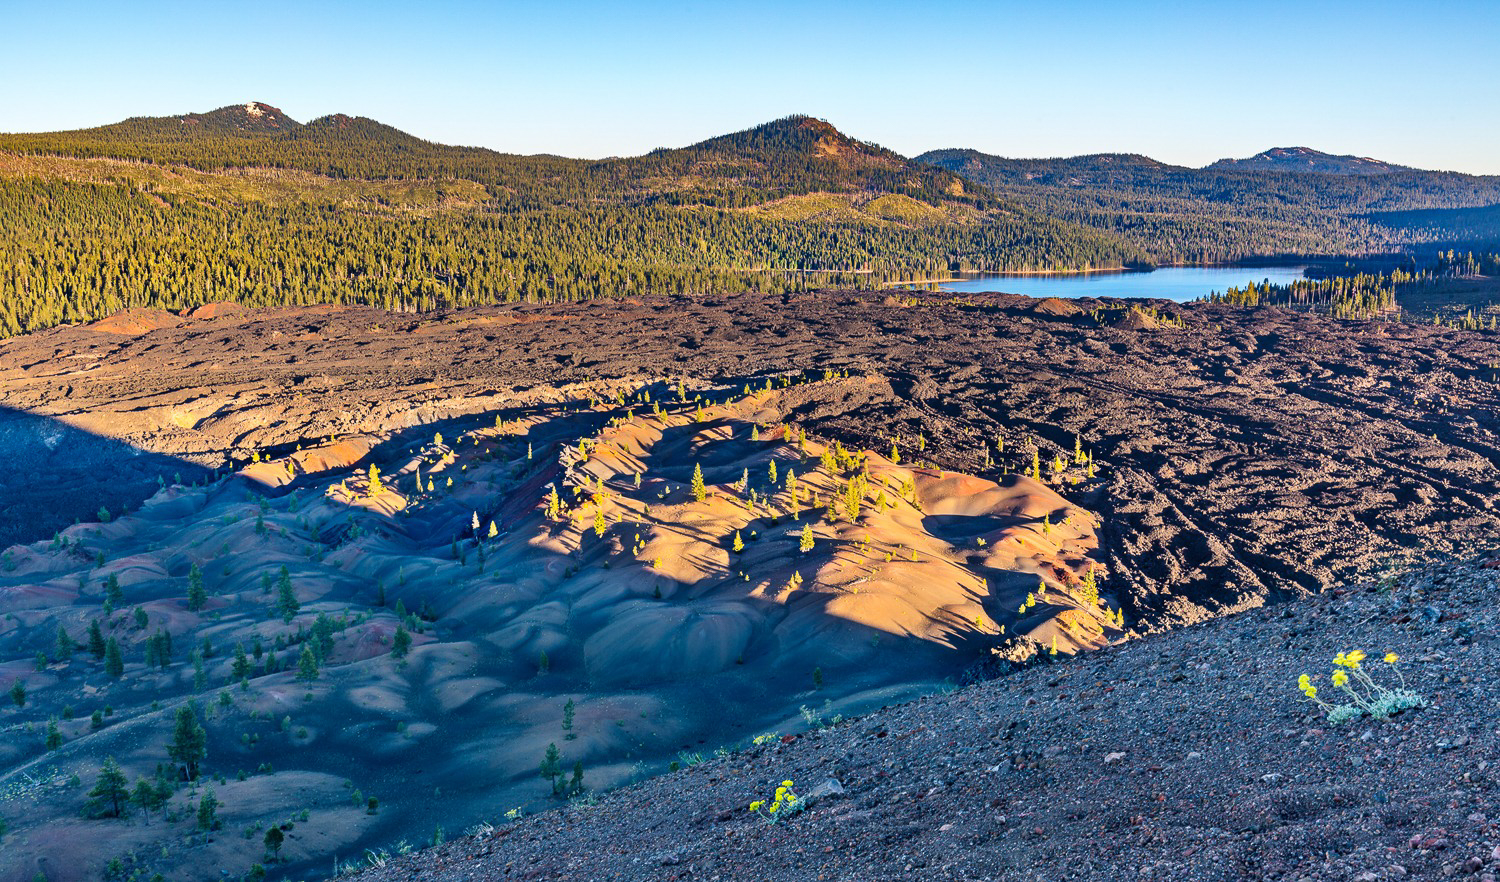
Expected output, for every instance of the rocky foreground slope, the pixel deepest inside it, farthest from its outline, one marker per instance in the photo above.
(1188, 755)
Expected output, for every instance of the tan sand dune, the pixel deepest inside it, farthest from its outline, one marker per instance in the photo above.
(674, 623)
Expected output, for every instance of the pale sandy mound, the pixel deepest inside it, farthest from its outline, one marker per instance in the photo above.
(1135, 320)
(135, 321)
(218, 309)
(1056, 308)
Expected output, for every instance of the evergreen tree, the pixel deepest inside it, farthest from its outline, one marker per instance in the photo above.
(400, 642)
(63, 647)
(189, 745)
(96, 640)
(551, 768)
(567, 722)
(286, 598)
(114, 659)
(241, 669)
(111, 791)
(113, 595)
(274, 839)
(54, 736)
(806, 544)
(197, 596)
(208, 811)
(307, 665)
(700, 490)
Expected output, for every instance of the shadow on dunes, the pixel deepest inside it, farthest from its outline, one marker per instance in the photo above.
(415, 616)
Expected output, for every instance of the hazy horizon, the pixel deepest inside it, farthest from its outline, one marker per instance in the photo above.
(592, 80)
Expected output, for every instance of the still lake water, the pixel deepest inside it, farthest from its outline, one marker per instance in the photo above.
(1180, 283)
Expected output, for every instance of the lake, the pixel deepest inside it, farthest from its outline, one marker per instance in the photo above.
(1180, 283)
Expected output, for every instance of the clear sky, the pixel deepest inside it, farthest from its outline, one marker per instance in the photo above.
(1184, 82)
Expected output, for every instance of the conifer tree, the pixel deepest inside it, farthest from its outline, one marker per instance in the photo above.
(96, 640)
(196, 596)
(700, 490)
(307, 665)
(286, 598)
(551, 767)
(114, 659)
(241, 669)
(111, 790)
(189, 745)
(54, 736)
(208, 811)
(63, 648)
(273, 841)
(400, 642)
(806, 544)
(18, 693)
(113, 595)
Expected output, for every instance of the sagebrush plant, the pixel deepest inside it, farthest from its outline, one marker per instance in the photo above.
(783, 805)
(1365, 696)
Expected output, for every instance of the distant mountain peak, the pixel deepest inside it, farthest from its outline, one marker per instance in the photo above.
(802, 134)
(252, 116)
(1306, 159)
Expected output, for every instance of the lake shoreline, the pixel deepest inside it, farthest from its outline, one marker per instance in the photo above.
(1095, 271)
(1181, 283)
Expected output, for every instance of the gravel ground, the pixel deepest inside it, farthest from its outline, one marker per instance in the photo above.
(1186, 755)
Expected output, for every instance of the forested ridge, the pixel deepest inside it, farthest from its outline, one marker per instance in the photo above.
(87, 239)
(1219, 213)
(246, 204)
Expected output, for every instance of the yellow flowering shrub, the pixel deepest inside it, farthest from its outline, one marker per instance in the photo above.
(784, 804)
(1361, 694)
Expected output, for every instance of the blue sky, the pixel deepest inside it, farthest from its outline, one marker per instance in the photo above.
(1417, 84)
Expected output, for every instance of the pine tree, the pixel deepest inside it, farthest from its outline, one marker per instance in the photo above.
(148, 797)
(567, 722)
(575, 786)
(96, 640)
(114, 659)
(739, 544)
(241, 669)
(208, 811)
(806, 544)
(54, 737)
(551, 767)
(18, 693)
(113, 595)
(189, 745)
(286, 598)
(376, 488)
(196, 596)
(307, 665)
(771, 473)
(700, 490)
(400, 642)
(111, 790)
(274, 840)
(600, 525)
(63, 648)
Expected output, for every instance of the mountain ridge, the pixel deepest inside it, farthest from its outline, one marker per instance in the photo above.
(1306, 159)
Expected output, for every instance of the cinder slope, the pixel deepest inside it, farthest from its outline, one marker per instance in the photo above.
(1187, 755)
